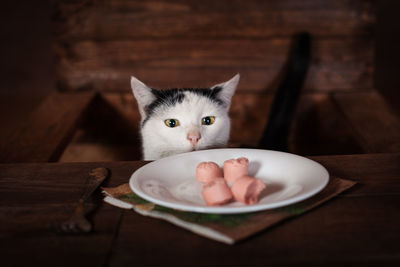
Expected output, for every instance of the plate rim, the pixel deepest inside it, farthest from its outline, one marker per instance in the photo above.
(224, 209)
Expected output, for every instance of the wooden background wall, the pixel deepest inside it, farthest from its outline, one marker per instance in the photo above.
(101, 43)
(198, 43)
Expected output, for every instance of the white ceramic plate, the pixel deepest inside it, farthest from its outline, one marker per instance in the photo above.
(171, 182)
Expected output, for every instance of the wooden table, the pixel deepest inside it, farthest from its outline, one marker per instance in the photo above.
(359, 227)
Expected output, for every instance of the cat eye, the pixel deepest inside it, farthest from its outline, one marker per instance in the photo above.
(171, 123)
(208, 120)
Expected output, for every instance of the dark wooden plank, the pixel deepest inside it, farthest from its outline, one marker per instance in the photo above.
(49, 249)
(35, 197)
(28, 232)
(46, 132)
(376, 174)
(336, 64)
(363, 167)
(376, 126)
(343, 230)
(105, 20)
(23, 183)
(94, 151)
(359, 226)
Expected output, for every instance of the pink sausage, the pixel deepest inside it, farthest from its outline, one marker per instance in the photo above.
(235, 168)
(246, 189)
(208, 171)
(217, 192)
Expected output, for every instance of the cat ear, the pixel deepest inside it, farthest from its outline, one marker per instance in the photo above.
(227, 89)
(143, 95)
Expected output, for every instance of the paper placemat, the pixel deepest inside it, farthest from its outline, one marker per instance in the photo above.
(226, 228)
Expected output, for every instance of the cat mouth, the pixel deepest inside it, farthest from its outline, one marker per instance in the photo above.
(195, 148)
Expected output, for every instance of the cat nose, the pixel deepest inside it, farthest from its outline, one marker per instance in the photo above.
(194, 138)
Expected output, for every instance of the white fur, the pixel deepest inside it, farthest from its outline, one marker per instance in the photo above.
(159, 141)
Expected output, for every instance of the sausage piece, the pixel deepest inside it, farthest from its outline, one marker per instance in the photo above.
(235, 168)
(246, 189)
(208, 171)
(217, 192)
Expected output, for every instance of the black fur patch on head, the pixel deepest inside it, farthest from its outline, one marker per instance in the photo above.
(211, 94)
(175, 95)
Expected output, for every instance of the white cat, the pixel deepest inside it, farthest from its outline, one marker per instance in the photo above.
(182, 120)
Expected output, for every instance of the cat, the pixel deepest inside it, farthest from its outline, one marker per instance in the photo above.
(182, 120)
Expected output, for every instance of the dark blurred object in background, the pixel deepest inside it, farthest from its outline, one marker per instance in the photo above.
(387, 51)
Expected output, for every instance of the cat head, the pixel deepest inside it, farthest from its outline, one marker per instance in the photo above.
(181, 120)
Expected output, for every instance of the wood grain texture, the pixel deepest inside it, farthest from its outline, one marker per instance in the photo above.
(336, 64)
(100, 44)
(376, 126)
(367, 170)
(46, 131)
(36, 197)
(126, 20)
(357, 228)
(343, 231)
(351, 228)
